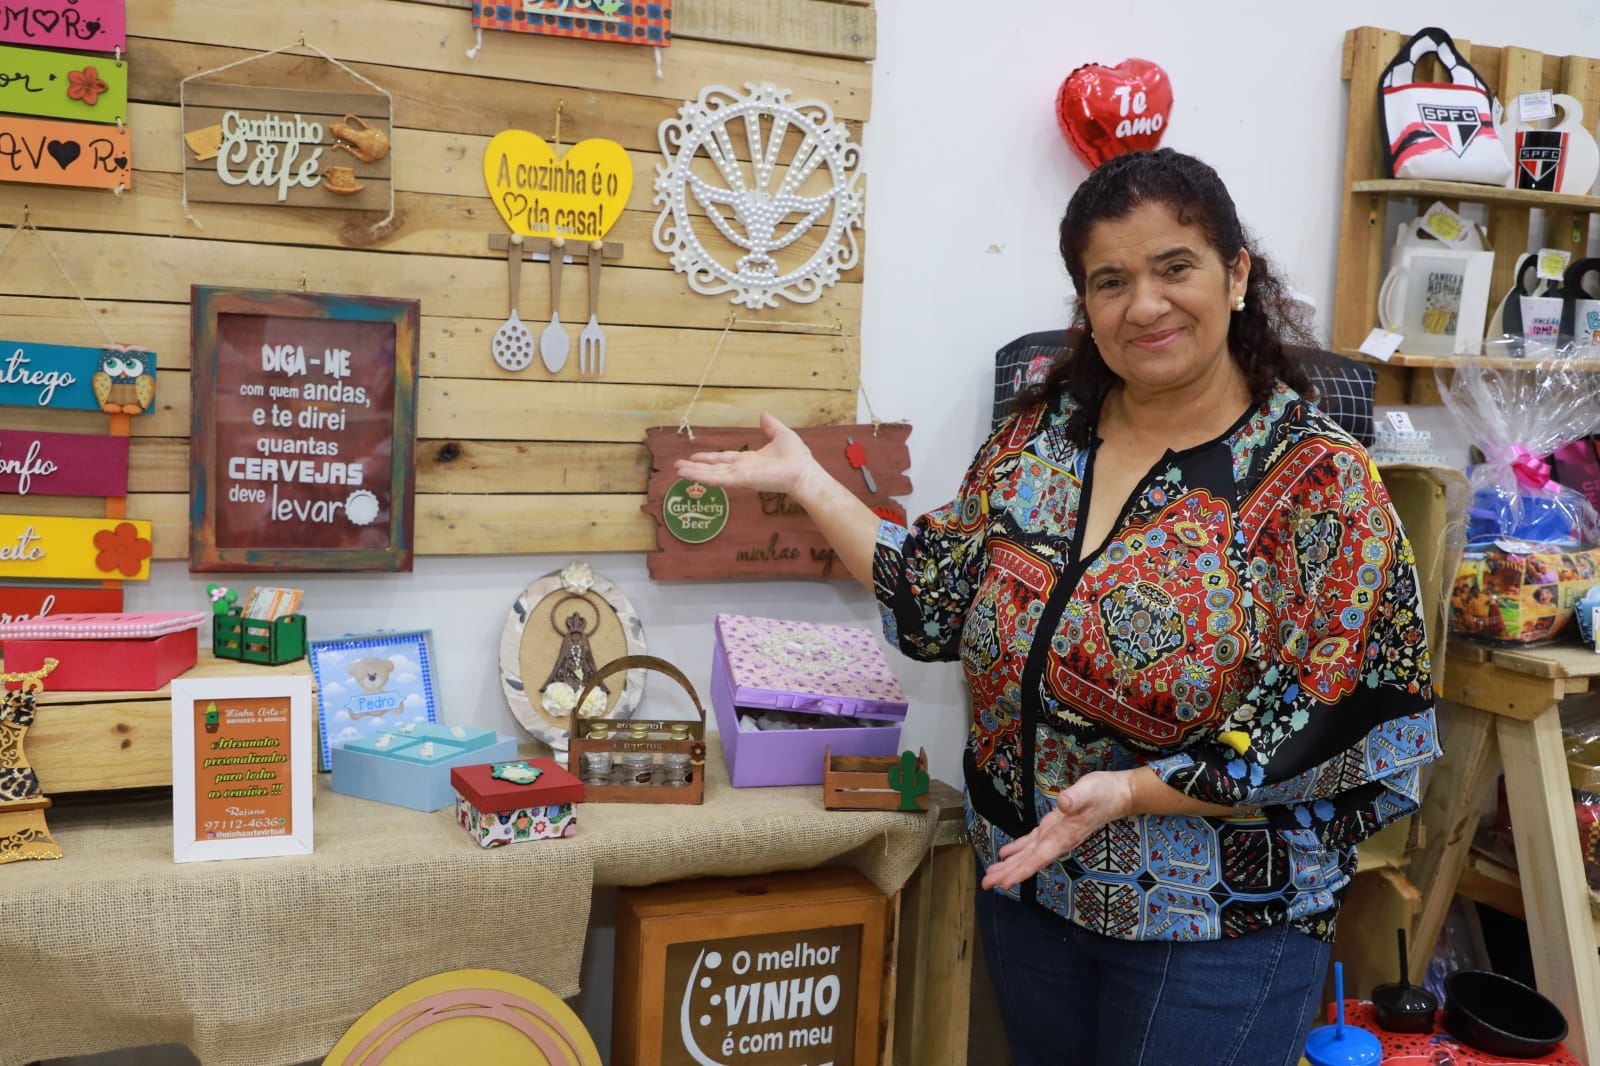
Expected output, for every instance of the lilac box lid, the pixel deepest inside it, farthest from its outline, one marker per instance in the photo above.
(805, 666)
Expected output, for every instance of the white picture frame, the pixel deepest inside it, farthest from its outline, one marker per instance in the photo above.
(1438, 299)
(261, 716)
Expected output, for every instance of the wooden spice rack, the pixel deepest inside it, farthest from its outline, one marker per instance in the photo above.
(658, 743)
(1364, 238)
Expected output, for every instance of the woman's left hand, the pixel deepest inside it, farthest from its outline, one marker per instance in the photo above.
(1089, 803)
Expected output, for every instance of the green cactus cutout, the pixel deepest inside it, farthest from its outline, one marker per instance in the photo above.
(909, 780)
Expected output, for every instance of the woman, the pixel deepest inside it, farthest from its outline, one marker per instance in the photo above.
(1191, 629)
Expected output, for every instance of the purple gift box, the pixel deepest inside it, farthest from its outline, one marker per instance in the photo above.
(835, 673)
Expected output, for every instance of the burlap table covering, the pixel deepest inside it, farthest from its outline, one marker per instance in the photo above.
(259, 962)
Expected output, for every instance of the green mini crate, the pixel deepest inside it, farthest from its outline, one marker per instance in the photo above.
(254, 640)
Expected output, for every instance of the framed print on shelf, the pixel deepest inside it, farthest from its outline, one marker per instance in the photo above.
(371, 684)
(241, 767)
(303, 431)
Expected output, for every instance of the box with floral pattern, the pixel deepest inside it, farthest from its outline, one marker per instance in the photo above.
(529, 799)
(785, 692)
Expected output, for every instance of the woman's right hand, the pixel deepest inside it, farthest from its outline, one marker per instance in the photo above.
(785, 464)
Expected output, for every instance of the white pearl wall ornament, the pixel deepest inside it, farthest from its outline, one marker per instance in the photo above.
(744, 207)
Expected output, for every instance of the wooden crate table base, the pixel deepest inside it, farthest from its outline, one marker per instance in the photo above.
(778, 970)
(23, 833)
(120, 739)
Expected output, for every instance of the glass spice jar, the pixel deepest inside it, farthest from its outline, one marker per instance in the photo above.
(638, 768)
(596, 768)
(675, 765)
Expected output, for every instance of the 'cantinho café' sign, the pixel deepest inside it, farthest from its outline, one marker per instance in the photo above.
(244, 144)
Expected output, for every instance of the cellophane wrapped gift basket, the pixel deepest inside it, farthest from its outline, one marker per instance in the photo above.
(1531, 550)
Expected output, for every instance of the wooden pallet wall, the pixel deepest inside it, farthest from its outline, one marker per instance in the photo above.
(505, 462)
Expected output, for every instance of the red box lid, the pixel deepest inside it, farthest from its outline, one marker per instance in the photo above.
(493, 795)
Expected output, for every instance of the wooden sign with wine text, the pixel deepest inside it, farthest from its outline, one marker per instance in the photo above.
(706, 534)
(62, 464)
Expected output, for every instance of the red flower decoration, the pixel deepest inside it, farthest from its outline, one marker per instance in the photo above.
(86, 86)
(121, 549)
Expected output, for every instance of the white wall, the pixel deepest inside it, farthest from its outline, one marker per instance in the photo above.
(968, 176)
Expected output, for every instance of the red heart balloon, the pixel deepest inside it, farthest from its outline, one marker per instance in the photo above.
(1107, 111)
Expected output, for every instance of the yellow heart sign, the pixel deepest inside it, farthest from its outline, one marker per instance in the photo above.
(580, 196)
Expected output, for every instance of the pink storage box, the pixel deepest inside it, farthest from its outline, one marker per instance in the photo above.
(765, 664)
(130, 652)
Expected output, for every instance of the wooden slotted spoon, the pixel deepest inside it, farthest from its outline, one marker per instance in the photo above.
(513, 343)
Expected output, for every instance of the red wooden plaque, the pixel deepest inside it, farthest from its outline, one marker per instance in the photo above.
(20, 604)
(706, 534)
(62, 464)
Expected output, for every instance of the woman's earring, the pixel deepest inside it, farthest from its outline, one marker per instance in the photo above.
(1238, 302)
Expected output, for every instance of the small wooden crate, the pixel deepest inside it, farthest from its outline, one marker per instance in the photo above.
(862, 782)
(97, 741)
(256, 640)
(657, 743)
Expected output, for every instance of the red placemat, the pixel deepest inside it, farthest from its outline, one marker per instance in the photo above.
(1437, 1048)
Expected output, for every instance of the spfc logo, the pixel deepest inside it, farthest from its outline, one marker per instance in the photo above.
(1539, 154)
(1455, 126)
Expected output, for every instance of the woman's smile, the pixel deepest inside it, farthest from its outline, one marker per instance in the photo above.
(1157, 340)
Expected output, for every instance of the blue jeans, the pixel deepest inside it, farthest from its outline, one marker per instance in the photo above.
(1069, 997)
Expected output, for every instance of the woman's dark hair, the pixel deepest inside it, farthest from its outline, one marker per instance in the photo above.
(1196, 195)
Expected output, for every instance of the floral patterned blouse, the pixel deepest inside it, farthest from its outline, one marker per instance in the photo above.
(1251, 630)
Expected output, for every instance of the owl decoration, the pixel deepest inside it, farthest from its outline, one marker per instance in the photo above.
(125, 384)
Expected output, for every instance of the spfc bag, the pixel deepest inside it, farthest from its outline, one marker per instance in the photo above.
(1443, 132)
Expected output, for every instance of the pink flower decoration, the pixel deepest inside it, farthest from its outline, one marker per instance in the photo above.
(86, 85)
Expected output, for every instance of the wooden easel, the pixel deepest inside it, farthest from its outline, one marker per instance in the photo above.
(23, 833)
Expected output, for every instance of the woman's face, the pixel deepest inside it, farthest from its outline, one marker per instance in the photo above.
(1159, 297)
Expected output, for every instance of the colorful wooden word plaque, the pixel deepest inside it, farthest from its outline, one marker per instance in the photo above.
(114, 380)
(24, 603)
(580, 195)
(62, 464)
(47, 152)
(622, 21)
(34, 81)
(49, 546)
(85, 25)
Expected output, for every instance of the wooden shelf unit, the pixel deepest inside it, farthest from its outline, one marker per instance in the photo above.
(1364, 239)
